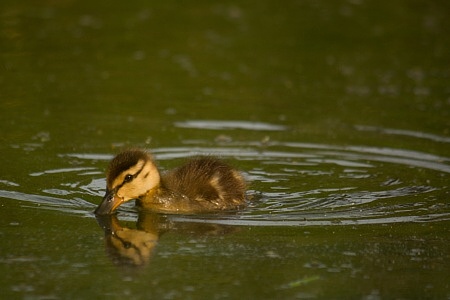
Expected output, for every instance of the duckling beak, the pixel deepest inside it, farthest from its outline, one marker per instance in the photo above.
(109, 203)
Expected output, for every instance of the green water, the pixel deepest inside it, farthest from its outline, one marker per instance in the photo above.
(337, 112)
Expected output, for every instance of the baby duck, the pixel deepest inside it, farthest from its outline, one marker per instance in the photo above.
(203, 184)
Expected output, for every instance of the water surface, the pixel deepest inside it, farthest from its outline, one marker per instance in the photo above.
(337, 113)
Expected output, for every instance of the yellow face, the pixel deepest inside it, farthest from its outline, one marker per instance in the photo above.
(132, 183)
(136, 181)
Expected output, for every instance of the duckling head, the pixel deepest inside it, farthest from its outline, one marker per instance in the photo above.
(131, 175)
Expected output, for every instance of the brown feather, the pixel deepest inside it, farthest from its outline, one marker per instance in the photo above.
(202, 184)
(209, 180)
(123, 161)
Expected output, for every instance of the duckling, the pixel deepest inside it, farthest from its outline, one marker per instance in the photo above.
(203, 184)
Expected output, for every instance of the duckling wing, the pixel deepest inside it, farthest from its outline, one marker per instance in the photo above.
(209, 182)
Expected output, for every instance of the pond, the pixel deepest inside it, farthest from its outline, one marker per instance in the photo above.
(336, 112)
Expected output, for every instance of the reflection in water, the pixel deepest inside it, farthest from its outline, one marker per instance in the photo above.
(133, 247)
(127, 246)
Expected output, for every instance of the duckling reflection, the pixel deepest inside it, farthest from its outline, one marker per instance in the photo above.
(131, 247)
(127, 246)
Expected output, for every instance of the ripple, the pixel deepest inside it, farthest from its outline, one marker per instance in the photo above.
(410, 133)
(76, 205)
(65, 170)
(221, 125)
(8, 183)
(292, 184)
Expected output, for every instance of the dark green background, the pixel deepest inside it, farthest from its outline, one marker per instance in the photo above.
(89, 77)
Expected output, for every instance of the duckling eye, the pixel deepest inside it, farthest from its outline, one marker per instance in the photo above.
(128, 178)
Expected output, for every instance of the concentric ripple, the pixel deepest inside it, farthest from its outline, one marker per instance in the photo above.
(291, 184)
(314, 184)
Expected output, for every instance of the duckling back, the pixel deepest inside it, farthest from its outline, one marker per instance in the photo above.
(209, 183)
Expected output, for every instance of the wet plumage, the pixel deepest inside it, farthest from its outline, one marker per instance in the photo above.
(202, 184)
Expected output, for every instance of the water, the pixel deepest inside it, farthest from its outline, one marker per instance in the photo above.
(289, 178)
(310, 221)
(340, 128)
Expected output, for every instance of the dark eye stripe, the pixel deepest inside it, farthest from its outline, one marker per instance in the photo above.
(138, 172)
(127, 244)
(125, 181)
